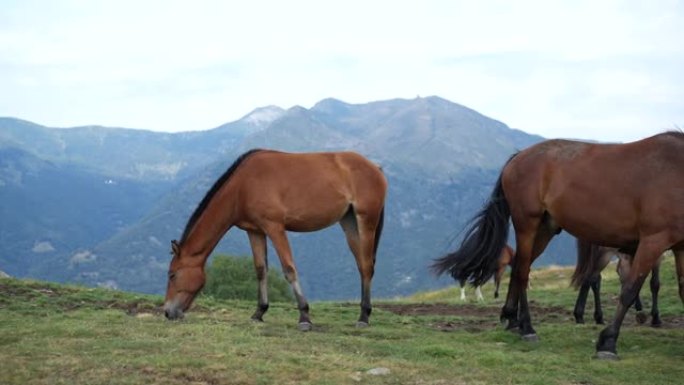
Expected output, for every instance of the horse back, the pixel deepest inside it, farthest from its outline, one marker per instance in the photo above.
(306, 191)
(605, 193)
(345, 172)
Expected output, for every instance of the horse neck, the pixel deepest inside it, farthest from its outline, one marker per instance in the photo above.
(214, 222)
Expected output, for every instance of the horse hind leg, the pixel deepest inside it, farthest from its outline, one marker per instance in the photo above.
(603, 261)
(581, 302)
(598, 310)
(530, 245)
(282, 246)
(462, 285)
(351, 232)
(679, 264)
(497, 280)
(360, 229)
(655, 288)
(258, 244)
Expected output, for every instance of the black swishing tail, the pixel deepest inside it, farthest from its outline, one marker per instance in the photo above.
(476, 259)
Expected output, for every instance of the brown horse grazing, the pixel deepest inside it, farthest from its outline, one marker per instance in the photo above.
(629, 196)
(267, 193)
(505, 260)
(591, 260)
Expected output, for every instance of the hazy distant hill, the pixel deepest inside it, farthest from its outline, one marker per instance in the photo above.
(441, 160)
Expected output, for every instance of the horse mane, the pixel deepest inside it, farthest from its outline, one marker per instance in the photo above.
(213, 190)
(676, 133)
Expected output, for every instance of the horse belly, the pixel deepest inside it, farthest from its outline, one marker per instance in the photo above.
(304, 225)
(611, 223)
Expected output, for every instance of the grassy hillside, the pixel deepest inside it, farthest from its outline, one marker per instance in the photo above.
(53, 334)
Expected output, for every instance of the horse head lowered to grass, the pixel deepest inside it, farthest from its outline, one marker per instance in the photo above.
(267, 193)
(628, 196)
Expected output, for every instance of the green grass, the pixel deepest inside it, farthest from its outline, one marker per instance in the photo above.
(54, 334)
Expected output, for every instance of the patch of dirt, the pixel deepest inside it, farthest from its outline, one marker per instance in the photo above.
(473, 318)
(464, 310)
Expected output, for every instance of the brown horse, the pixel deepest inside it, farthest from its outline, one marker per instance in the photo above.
(591, 261)
(505, 260)
(629, 196)
(267, 193)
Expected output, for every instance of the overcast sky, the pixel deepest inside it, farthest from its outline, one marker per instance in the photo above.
(602, 70)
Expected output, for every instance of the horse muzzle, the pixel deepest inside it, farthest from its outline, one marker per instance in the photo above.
(173, 311)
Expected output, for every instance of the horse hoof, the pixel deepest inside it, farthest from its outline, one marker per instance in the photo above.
(530, 338)
(305, 326)
(257, 319)
(362, 325)
(641, 318)
(607, 356)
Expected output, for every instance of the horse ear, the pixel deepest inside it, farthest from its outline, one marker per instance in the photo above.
(175, 248)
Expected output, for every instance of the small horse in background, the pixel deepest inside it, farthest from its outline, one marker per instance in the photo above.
(591, 261)
(505, 260)
(267, 193)
(627, 196)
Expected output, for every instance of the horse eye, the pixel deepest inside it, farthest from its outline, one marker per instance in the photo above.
(172, 275)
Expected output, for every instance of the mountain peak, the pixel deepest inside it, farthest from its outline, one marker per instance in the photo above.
(264, 115)
(330, 105)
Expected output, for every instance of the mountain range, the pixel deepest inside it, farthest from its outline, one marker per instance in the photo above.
(99, 205)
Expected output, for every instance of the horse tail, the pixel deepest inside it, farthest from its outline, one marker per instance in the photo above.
(586, 263)
(378, 232)
(476, 260)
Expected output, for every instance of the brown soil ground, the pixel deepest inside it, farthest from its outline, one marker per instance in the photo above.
(480, 318)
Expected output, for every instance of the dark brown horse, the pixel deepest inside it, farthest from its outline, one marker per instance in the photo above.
(267, 193)
(591, 261)
(629, 196)
(505, 260)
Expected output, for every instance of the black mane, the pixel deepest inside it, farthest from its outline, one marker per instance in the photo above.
(212, 191)
(677, 133)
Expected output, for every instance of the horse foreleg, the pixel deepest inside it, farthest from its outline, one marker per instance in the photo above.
(258, 243)
(282, 246)
(639, 307)
(645, 258)
(623, 269)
